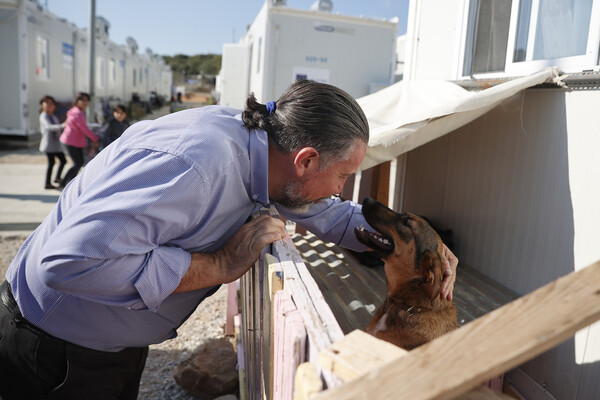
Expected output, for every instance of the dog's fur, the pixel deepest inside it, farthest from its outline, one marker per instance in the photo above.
(413, 312)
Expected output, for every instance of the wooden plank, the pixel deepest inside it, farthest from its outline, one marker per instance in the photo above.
(290, 345)
(483, 393)
(273, 283)
(358, 353)
(240, 357)
(232, 308)
(380, 185)
(496, 342)
(321, 326)
(307, 382)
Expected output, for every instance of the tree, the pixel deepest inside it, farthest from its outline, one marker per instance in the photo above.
(194, 65)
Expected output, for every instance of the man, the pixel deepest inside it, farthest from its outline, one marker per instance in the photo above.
(157, 221)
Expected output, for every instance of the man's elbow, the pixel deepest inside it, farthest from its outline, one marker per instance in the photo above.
(57, 273)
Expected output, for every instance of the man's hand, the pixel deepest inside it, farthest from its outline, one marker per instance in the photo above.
(244, 247)
(450, 264)
(235, 258)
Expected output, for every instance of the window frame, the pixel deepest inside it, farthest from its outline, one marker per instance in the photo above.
(45, 56)
(112, 70)
(100, 72)
(587, 62)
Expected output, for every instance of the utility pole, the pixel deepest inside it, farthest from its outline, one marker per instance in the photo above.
(91, 39)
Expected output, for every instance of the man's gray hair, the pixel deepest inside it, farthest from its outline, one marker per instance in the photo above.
(311, 114)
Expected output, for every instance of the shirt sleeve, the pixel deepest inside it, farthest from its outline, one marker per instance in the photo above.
(116, 242)
(47, 126)
(80, 124)
(332, 220)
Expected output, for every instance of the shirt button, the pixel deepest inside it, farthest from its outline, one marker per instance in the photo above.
(254, 196)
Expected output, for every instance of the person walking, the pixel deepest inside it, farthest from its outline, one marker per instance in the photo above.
(158, 221)
(50, 144)
(74, 136)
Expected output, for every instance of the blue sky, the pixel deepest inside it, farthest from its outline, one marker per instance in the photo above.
(199, 26)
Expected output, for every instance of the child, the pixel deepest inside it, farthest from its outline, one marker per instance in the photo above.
(74, 136)
(116, 125)
(50, 129)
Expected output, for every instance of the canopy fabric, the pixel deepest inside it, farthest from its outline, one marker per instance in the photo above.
(408, 114)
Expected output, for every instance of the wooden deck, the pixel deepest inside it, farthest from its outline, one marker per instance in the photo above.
(355, 291)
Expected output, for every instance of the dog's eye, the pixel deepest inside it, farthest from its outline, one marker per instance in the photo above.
(405, 222)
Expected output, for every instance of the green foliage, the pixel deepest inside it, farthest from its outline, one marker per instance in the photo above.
(194, 65)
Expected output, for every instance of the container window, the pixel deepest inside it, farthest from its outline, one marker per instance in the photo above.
(42, 67)
(524, 36)
(112, 70)
(100, 72)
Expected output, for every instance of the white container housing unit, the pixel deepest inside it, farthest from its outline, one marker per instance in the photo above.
(42, 54)
(518, 185)
(285, 44)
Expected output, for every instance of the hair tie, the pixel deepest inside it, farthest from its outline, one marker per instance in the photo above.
(271, 107)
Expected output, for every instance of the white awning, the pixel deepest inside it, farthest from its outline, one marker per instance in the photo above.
(408, 114)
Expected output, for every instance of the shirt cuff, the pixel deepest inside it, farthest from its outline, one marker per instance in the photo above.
(165, 268)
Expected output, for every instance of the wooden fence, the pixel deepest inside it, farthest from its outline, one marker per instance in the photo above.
(290, 345)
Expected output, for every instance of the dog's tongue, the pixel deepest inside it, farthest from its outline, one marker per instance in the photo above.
(374, 240)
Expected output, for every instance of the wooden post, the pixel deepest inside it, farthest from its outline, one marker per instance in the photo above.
(380, 183)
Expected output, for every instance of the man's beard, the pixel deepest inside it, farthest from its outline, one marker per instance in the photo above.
(290, 197)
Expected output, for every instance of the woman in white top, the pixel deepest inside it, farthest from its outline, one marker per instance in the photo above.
(50, 129)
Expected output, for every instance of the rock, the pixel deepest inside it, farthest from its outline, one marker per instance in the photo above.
(227, 397)
(210, 371)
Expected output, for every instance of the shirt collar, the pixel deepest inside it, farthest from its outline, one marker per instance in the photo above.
(259, 166)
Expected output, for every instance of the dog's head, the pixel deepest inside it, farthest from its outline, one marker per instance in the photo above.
(409, 246)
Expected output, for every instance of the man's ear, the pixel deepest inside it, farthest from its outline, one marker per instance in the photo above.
(431, 269)
(306, 161)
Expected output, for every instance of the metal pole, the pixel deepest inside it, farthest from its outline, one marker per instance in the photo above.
(91, 59)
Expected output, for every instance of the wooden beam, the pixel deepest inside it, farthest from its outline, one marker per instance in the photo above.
(289, 338)
(307, 382)
(380, 185)
(499, 341)
(271, 284)
(358, 353)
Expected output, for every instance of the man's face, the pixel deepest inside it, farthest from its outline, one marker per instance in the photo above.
(301, 194)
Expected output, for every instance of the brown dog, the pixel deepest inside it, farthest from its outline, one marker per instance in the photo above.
(413, 312)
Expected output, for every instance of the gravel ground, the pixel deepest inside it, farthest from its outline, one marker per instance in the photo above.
(206, 323)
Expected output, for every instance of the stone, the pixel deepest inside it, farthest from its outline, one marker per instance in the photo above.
(210, 371)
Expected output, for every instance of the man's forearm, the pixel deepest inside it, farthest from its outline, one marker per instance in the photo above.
(204, 272)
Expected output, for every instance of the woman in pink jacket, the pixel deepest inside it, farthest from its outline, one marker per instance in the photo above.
(73, 136)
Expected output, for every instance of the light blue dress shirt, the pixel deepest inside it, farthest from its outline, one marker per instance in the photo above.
(99, 271)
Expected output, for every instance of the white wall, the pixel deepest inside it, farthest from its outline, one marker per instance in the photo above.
(518, 188)
(10, 110)
(515, 187)
(60, 80)
(351, 53)
(234, 72)
(22, 23)
(433, 39)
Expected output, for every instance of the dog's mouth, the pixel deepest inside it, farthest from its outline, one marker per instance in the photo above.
(374, 240)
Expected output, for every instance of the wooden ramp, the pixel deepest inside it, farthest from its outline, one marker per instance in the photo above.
(355, 291)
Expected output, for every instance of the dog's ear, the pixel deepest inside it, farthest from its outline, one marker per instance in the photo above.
(431, 269)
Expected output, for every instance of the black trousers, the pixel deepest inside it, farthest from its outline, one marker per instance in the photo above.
(62, 161)
(76, 154)
(36, 365)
